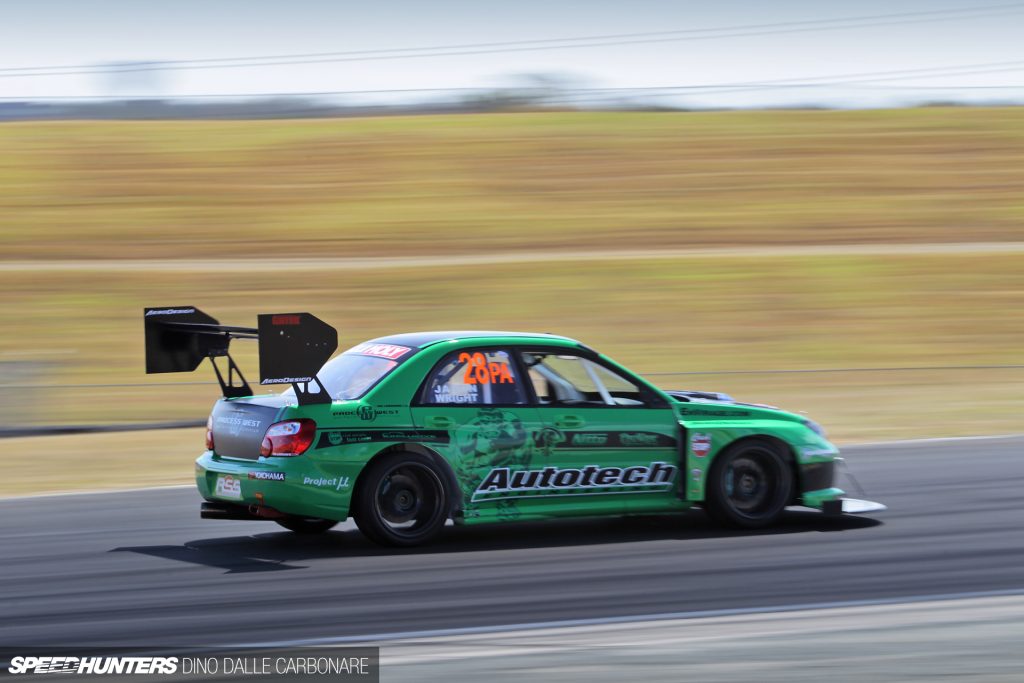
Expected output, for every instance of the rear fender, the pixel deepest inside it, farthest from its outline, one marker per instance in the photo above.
(455, 503)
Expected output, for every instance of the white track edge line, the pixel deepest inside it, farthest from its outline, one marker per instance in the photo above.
(926, 441)
(55, 494)
(599, 621)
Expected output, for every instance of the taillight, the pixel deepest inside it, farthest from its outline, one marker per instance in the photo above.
(209, 433)
(293, 437)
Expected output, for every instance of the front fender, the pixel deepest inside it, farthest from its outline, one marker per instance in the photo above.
(813, 456)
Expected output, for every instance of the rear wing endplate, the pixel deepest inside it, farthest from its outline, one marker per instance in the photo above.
(292, 348)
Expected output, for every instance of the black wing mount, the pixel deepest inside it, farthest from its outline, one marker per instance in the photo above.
(292, 348)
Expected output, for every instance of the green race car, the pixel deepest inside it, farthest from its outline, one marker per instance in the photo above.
(405, 432)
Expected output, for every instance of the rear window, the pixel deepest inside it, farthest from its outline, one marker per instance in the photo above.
(352, 374)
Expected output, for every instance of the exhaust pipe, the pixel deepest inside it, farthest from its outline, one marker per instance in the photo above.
(210, 510)
(224, 511)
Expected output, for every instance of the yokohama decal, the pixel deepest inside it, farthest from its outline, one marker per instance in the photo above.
(502, 482)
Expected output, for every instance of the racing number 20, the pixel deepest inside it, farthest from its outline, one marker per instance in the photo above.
(479, 371)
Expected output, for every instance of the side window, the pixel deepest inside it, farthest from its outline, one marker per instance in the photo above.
(573, 380)
(475, 378)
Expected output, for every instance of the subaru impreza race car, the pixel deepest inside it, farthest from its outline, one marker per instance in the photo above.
(405, 432)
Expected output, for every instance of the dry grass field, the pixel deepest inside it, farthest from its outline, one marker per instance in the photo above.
(484, 183)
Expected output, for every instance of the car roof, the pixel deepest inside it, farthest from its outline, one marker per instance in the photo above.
(424, 339)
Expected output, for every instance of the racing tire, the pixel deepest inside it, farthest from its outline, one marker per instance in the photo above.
(749, 485)
(307, 525)
(401, 500)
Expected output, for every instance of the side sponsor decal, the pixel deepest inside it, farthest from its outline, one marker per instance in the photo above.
(336, 483)
(267, 476)
(711, 412)
(615, 440)
(503, 482)
(368, 413)
(340, 437)
(169, 311)
(288, 380)
(389, 351)
(700, 444)
(228, 486)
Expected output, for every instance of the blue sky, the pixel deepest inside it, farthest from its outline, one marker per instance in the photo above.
(58, 32)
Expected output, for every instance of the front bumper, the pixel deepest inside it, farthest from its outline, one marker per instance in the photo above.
(295, 486)
(821, 498)
(856, 506)
(832, 501)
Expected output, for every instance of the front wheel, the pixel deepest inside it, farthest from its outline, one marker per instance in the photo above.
(749, 485)
(307, 525)
(402, 500)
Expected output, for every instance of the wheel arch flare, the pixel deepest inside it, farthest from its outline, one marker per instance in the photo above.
(810, 456)
(454, 492)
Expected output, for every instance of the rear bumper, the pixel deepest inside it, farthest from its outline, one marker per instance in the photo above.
(294, 486)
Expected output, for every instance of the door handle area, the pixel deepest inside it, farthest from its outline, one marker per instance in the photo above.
(439, 422)
(569, 421)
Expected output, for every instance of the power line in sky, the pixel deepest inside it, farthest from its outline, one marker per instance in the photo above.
(747, 30)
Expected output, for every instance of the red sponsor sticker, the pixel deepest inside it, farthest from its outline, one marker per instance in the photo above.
(389, 351)
(285, 320)
(700, 444)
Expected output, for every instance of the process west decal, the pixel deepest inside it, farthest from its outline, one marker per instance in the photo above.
(502, 482)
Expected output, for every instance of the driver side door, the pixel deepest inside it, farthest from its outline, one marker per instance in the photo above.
(620, 436)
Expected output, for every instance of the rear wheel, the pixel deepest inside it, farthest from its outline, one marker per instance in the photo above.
(749, 485)
(402, 500)
(306, 525)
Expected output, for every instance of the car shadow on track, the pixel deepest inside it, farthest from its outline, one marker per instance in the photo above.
(278, 551)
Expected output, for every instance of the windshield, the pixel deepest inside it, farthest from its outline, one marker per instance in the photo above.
(351, 375)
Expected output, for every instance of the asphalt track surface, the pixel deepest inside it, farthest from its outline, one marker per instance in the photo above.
(141, 568)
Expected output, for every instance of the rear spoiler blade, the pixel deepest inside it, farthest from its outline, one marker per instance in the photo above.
(292, 348)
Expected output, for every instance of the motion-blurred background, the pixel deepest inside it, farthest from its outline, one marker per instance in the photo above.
(814, 205)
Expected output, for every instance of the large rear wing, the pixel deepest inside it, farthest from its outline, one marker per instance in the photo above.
(292, 348)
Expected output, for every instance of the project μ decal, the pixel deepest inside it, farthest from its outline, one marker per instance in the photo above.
(502, 482)
(700, 444)
(336, 483)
